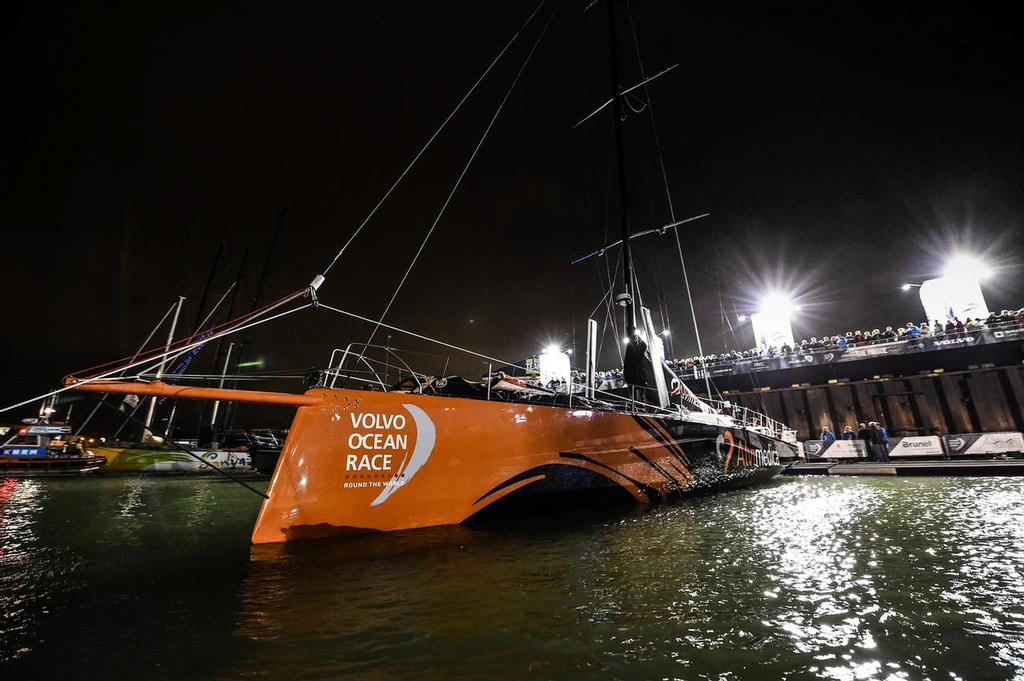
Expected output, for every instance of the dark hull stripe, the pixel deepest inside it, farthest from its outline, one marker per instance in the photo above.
(511, 481)
(651, 493)
(669, 444)
(682, 474)
(661, 471)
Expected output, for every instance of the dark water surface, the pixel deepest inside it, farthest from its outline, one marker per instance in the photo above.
(850, 578)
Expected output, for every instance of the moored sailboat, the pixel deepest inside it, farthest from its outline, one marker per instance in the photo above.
(433, 450)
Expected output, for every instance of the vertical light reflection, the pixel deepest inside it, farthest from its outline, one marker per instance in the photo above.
(21, 501)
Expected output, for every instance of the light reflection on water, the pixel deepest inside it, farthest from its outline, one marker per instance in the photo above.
(833, 578)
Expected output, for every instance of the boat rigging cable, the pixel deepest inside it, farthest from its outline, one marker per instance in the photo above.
(432, 138)
(361, 318)
(610, 314)
(243, 323)
(625, 93)
(654, 230)
(178, 352)
(134, 357)
(256, 317)
(253, 318)
(462, 175)
(216, 332)
(195, 334)
(606, 273)
(668, 196)
(413, 334)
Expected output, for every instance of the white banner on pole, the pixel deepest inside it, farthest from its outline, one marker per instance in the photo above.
(946, 298)
(772, 330)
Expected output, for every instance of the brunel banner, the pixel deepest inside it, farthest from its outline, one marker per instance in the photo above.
(822, 357)
(918, 445)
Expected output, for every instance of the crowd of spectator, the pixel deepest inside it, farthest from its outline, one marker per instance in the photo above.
(910, 332)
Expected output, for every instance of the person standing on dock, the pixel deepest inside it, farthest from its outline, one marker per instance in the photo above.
(848, 433)
(876, 443)
(827, 435)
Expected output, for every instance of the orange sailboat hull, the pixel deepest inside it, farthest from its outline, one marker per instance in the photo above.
(367, 461)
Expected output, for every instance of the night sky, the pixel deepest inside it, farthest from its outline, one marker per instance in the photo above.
(841, 150)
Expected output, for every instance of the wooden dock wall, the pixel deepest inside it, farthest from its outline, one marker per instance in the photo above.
(977, 400)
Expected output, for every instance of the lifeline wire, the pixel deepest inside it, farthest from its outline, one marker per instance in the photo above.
(465, 169)
(433, 137)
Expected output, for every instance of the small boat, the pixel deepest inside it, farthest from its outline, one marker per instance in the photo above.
(155, 458)
(35, 449)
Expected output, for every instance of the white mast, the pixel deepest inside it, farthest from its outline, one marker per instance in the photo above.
(146, 432)
(223, 374)
(591, 358)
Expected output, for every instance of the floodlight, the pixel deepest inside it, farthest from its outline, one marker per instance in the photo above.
(776, 305)
(962, 266)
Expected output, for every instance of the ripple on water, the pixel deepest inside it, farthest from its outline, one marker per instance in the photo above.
(852, 578)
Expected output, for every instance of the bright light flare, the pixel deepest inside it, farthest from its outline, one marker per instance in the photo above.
(777, 305)
(772, 323)
(964, 266)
